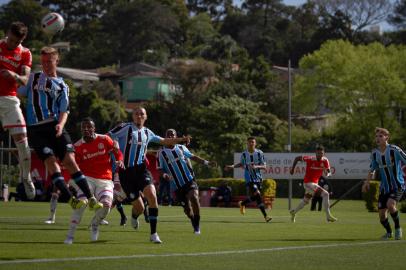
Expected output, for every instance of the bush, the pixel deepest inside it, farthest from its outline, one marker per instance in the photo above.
(11, 175)
(238, 185)
(402, 206)
(371, 196)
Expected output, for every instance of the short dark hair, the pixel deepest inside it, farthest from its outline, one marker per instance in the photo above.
(251, 138)
(320, 148)
(18, 29)
(88, 119)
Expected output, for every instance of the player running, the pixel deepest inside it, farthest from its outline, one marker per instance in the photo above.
(93, 156)
(315, 166)
(253, 161)
(15, 67)
(388, 159)
(173, 163)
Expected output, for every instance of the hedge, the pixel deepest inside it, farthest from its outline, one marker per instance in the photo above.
(372, 195)
(238, 185)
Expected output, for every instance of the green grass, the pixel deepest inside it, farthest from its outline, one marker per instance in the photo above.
(228, 240)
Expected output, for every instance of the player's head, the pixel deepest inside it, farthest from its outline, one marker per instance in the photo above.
(381, 136)
(251, 142)
(88, 128)
(16, 33)
(320, 151)
(170, 133)
(49, 60)
(139, 116)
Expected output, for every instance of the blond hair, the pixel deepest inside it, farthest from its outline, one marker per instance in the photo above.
(384, 131)
(49, 50)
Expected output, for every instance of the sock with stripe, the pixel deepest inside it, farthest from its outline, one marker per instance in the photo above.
(81, 181)
(153, 219)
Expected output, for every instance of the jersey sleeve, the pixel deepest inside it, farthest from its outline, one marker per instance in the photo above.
(243, 159)
(326, 163)
(118, 131)
(373, 165)
(401, 154)
(186, 151)
(160, 160)
(26, 58)
(64, 100)
(110, 146)
(23, 90)
(262, 160)
(153, 138)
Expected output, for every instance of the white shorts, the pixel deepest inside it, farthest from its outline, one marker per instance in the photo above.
(99, 187)
(11, 115)
(310, 188)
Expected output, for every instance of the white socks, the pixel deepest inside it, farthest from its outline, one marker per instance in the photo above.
(24, 156)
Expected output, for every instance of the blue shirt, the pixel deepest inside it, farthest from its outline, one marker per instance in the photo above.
(248, 159)
(174, 161)
(133, 142)
(389, 164)
(47, 97)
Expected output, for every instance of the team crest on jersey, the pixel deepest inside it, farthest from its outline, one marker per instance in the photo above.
(46, 150)
(100, 146)
(17, 57)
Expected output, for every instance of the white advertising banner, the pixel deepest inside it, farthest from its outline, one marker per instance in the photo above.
(343, 165)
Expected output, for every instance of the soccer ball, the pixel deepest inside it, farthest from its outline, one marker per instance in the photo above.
(52, 23)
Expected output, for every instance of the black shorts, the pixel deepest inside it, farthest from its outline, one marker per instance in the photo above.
(252, 187)
(383, 198)
(134, 180)
(181, 193)
(45, 143)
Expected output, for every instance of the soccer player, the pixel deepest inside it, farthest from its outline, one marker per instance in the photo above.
(174, 165)
(315, 166)
(15, 67)
(253, 161)
(93, 156)
(387, 158)
(47, 112)
(133, 139)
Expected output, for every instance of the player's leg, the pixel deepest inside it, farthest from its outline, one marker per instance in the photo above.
(255, 191)
(52, 206)
(13, 120)
(326, 205)
(193, 197)
(383, 215)
(243, 203)
(76, 216)
(104, 194)
(150, 194)
(394, 198)
(309, 191)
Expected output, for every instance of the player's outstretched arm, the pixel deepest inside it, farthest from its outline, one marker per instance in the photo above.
(204, 162)
(295, 161)
(229, 167)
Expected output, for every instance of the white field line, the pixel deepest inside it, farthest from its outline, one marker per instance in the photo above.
(198, 254)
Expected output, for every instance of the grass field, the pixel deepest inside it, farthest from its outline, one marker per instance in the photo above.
(228, 240)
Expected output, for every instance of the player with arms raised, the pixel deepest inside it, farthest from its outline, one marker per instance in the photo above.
(315, 166)
(15, 67)
(93, 155)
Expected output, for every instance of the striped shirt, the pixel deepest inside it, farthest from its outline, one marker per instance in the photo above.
(174, 161)
(389, 164)
(247, 160)
(47, 98)
(133, 142)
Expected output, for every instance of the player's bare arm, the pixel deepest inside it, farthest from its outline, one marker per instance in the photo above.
(365, 186)
(172, 141)
(63, 117)
(204, 162)
(297, 159)
(229, 167)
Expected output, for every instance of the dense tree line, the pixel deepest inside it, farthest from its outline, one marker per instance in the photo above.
(228, 88)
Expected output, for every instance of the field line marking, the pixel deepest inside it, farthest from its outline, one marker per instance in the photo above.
(214, 253)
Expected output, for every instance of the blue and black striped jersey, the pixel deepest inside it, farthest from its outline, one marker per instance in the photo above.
(389, 164)
(247, 160)
(47, 97)
(174, 161)
(133, 142)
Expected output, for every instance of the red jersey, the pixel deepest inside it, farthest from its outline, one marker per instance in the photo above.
(94, 157)
(12, 60)
(315, 168)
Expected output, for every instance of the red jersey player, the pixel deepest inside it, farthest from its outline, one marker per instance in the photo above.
(93, 155)
(15, 67)
(315, 166)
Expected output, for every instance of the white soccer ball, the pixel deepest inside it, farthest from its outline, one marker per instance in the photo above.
(52, 23)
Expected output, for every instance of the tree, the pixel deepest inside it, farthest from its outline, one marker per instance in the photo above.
(398, 18)
(363, 85)
(362, 13)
